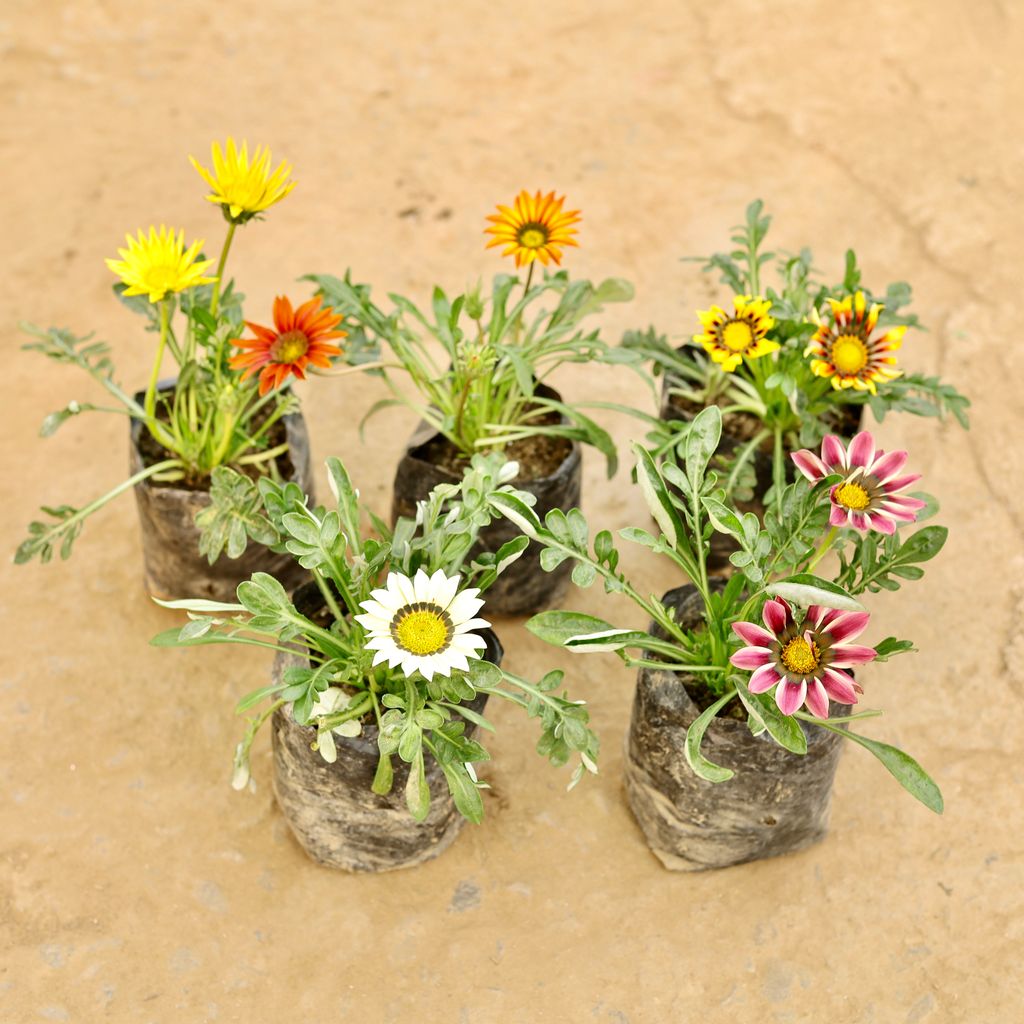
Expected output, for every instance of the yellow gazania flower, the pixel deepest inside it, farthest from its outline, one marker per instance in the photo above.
(244, 188)
(160, 263)
(728, 339)
(535, 228)
(845, 351)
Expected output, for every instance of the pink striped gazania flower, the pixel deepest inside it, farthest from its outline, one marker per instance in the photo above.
(804, 660)
(868, 497)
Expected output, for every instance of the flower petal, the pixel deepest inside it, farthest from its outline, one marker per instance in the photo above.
(817, 699)
(751, 657)
(753, 634)
(839, 686)
(790, 695)
(763, 679)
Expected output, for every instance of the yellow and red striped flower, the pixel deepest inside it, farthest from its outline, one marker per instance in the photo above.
(845, 351)
(299, 338)
(728, 339)
(534, 228)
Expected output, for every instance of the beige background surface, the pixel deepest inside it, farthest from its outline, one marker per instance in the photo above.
(135, 886)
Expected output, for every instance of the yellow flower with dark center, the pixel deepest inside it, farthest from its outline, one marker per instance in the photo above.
(159, 263)
(534, 228)
(244, 187)
(729, 339)
(845, 351)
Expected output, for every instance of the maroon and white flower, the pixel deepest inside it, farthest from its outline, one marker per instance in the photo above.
(804, 660)
(868, 497)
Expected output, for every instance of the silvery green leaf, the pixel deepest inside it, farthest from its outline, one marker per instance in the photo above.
(807, 589)
(200, 605)
(606, 640)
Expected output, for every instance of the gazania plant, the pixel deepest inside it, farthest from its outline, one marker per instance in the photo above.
(394, 634)
(777, 642)
(479, 365)
(225, 403)
(797, 358)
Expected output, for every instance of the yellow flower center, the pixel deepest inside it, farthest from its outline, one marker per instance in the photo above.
(801, 657)
(737, 336)
(533, 236)
(289, 347)
(849, 354)
(852, 496)
(422, 629)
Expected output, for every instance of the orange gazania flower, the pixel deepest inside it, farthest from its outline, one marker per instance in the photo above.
(534, 229)
(299, 337)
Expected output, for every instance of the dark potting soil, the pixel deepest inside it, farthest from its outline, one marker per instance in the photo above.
(153, 452)
(741, 426)
(538, 456)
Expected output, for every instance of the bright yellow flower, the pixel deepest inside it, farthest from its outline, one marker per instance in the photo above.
(244, 188)
(730, 339)
(160, 263)
(845, 351)
(534, 229)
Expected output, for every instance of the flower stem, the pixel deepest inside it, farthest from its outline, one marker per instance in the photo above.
(215, 299)
(823, 550)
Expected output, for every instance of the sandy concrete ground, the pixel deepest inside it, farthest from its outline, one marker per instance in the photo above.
(135, 885)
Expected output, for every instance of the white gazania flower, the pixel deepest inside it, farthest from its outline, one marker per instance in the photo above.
(424, 624)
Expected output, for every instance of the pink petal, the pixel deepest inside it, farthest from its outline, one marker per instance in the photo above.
(810, 465)
(763, 679)
(848, 625)
(888, 465)
(776, 615)
(859, 521)
(838, 516)
(839, 686)
(789, 696)
(751, 657)
(831, 614)
(901, 483)
(814, 614)
(882, 523)
(862, 450)
(817, 699)
(846, 655)
(753, 634)
(904, 501)
(833, 453)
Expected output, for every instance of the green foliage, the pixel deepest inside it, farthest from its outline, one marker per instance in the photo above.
(776, 559)
(489, 392)
(876, 562)
(337, 685)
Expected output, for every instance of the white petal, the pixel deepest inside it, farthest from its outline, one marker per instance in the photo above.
(377, 609)
(468, 644)
(423, 586)
(465, 606)
(445, 588)
(456, 659)
(381, 656)
(470, 624)
(373, 623)
(401, 587)
(388, 600)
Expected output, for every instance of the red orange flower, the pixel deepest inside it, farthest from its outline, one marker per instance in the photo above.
(299, 338)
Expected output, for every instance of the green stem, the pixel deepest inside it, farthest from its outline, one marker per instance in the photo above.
(87, 510)
(150, 402)
(356, 709)
(215, 299)
(826, 544)
(778, 470)
(328, 596)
